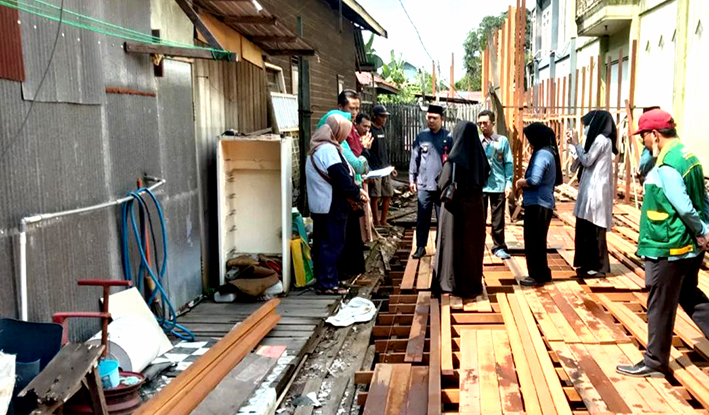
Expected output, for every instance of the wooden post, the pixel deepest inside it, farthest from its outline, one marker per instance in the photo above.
(590, 85)
(608, 82)
(483, 77)
(630, 104)
(576, 93)
(451, 93)
(564, 110)
(503, 68)
(557, 101)
(620, 82)
(304, 122)
(598, 82)
(583, 90)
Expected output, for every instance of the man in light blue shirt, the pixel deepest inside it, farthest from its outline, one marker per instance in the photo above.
(499, 184)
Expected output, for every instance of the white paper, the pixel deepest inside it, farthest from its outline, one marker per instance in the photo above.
(379, 173)
(7, 380)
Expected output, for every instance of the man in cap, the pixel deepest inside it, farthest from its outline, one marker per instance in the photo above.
(428, 153)
(499, 183)
(378, 157)
(673, 236)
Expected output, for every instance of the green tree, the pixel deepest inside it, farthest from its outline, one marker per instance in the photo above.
(476, 42)
(371, 53)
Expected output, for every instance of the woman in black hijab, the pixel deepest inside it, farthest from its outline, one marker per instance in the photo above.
(543, 173)
(458, 266)
(594, 203)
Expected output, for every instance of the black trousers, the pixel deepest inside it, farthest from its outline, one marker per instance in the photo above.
(427, 200)
(351, 261)
(536, 227)
(672, 283)
(591, 253)
(497, 206)
(328, 243)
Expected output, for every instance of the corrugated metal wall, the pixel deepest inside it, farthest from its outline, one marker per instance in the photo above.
(71, 156)
(227, 95)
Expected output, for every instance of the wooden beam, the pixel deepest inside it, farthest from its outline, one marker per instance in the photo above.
(300, 52)
(136, 47)
(261, 39)
(260, 20)
(199, 24)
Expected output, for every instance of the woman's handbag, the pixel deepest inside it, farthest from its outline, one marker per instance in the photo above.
(449, 192)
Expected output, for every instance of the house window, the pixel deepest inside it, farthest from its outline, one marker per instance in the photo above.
(340, 83)
(276, 82)
(294, 75)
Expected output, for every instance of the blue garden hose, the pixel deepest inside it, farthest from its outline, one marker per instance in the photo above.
(168, 321)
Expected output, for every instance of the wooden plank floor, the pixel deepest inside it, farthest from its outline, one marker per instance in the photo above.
(548, 350)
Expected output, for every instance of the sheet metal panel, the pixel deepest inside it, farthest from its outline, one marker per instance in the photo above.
(73, 75)
(11, 66)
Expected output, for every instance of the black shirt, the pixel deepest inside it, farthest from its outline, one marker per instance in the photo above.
(378, 155)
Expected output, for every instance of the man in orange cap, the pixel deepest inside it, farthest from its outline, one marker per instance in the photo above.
(673, 236)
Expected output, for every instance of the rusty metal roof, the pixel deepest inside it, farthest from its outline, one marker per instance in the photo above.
(260, 26)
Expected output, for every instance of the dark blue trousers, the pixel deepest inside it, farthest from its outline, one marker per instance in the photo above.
(427, 200)
(328, 242)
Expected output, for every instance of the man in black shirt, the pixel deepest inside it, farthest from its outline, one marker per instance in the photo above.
(428, 154)
(378, 158)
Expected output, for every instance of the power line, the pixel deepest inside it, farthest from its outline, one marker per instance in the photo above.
(39, 87)
(416, 29)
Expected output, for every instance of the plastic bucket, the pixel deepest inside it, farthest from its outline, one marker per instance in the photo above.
(108, 371)
(132, 341)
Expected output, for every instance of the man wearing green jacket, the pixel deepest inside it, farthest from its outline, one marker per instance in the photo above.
(499, 184)
(673, 237)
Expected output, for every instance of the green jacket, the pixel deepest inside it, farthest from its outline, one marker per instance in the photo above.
(662, 232)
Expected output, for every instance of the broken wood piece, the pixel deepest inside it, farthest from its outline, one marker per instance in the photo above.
(446, 342)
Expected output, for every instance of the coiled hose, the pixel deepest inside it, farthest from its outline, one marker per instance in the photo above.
(163, 309)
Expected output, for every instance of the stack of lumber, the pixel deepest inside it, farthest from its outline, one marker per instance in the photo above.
(194, 384)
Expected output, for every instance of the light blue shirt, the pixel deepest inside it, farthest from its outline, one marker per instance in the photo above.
(540, 176)
(647, 162)
(675, 190)
(499, 155)
(320, 191)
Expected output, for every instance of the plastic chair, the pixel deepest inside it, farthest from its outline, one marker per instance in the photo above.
(34, 344)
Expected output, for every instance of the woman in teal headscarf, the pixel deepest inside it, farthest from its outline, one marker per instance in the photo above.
(351, 261)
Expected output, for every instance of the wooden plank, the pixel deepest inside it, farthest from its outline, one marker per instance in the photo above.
(417, 335)
(417, 401)
(548, 328)
(238, 385)
(489, 385)
(634, 390)
(378, 389)
(446, 346)
(425, 274)
(410, 273)
(613, 399)
(598, 328)
(583, 385)
(398, 389)
(469, 379)
(510, 397)
(567, 332)
(552, 398)
(661, 386)
(585, 335)
(600, 314)
(434, 374)
(524, 370)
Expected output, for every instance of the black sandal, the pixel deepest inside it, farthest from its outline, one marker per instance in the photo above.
(331, 291)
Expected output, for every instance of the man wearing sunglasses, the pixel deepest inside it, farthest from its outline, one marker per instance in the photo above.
(673, 237)
(499, 184)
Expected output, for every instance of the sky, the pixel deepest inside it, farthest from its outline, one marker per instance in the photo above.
(443, 25)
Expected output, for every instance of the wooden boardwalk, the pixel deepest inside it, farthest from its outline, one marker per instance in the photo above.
(547, 350)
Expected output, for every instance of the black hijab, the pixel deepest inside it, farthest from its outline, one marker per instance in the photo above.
(540, 136)
(468, 153)
(600, 122)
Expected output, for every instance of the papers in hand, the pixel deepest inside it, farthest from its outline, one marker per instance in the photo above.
(374, 174)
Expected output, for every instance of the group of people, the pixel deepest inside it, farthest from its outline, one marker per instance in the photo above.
(346, 145)
(460, 174)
